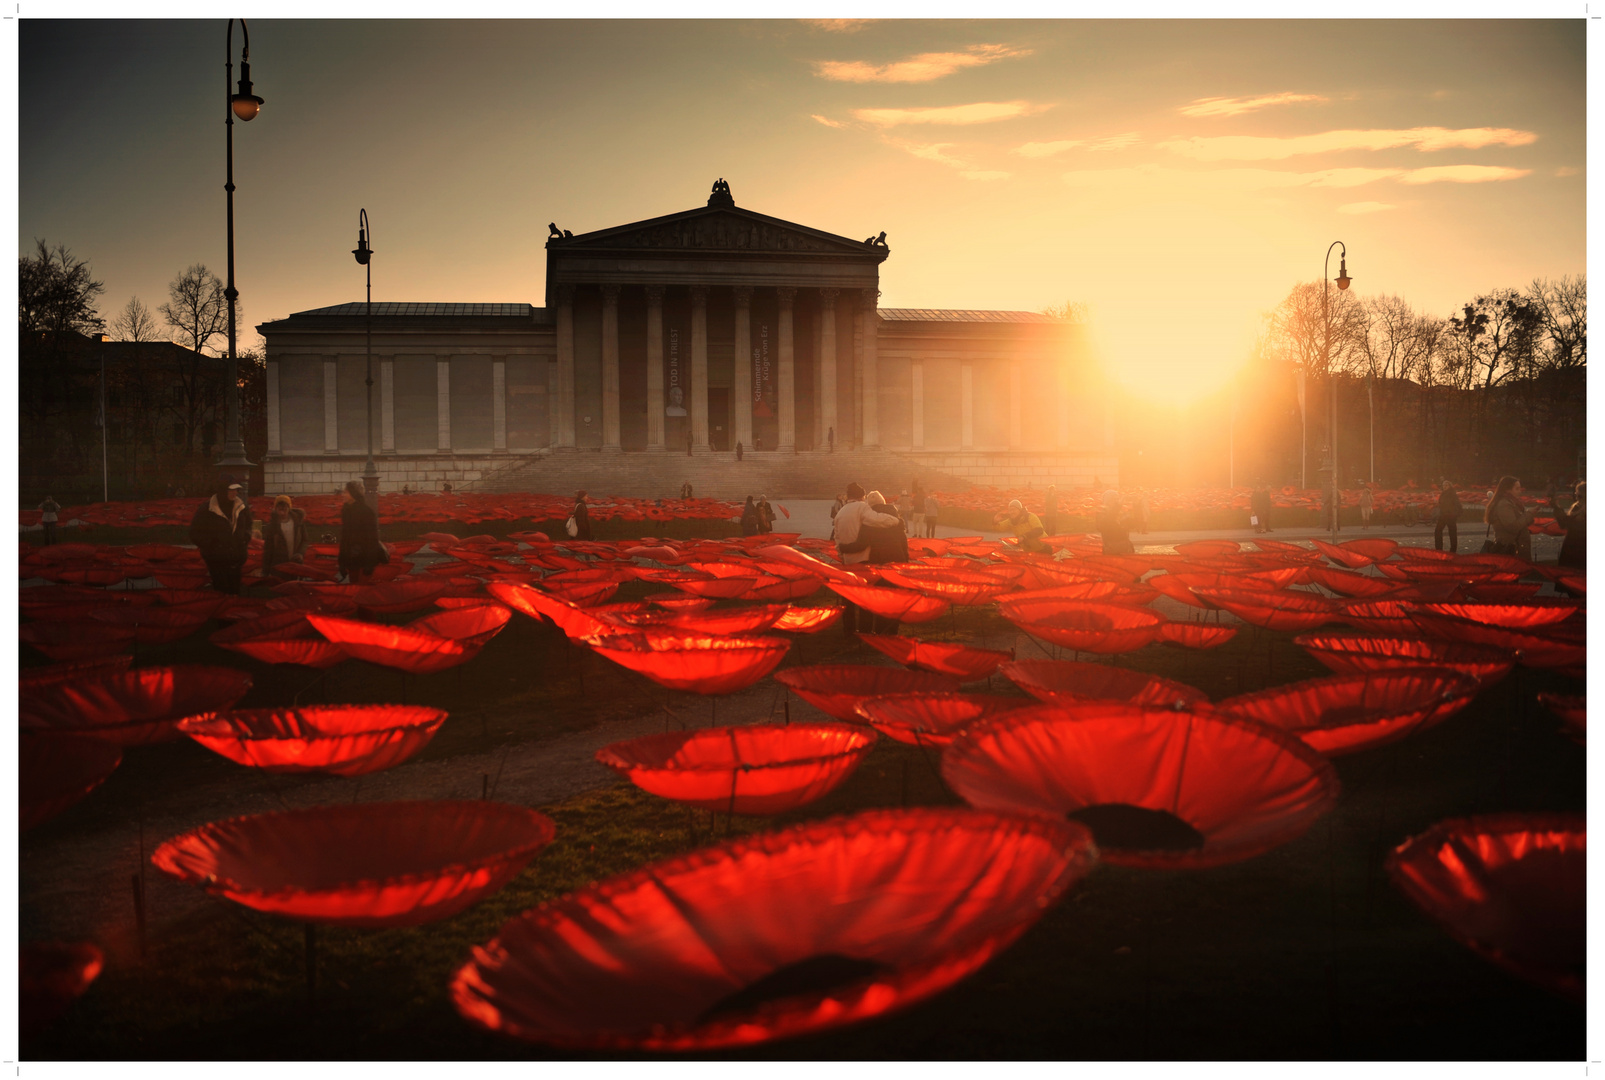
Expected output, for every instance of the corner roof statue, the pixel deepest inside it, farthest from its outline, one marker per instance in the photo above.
(721, 194)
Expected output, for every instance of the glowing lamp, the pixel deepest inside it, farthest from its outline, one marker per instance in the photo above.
(1343, 278)
(245, 104)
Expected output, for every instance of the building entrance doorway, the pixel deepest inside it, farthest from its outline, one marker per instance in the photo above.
(719, 436)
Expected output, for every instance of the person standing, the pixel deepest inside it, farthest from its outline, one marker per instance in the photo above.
(932, 509)
(49, 510)
(738, 455)
(1574, 549)
(830, 441)
(1050, 510)
(835, 508)
(1116, 534)
(284, 537)
(749, 518)
(918, 520)
(582, 516)
(1508, 519)
(853, 548)
(1367, 501)
(766, 515)
(221, 532)
(360, 549)
(1448, 517)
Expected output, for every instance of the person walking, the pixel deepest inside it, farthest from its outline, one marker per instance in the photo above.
(932, 510)
(749, 518)
(766, 515)
(1574, 549)
(1448, 518)
(738, 452)
(49, 510)
(221, 532)
(1508, 519)
(854, 549)
(1050, 510)
(1026, 525)
(1260, 507)
(1367, 501)
(1115, 531)
(284, 537)
(830, 441)
(582, 516)
(360, 549)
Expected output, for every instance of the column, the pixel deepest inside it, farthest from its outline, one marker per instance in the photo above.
(564, 404)
(917, 402)
(273, 407)
(1014, 406)
(552, 423)
(966, 407)
(827, 366)
(742, 351)
(699, 367)
(654, 367)
(788, 373)
(610, 369)
(1062, 399)
(443, 404)
(498, 405)
(331, 406)
(815, 354)
(387, 406)
(868, 319)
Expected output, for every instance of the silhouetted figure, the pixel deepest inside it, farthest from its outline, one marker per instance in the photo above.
(1448, 518)
(221, 532)
(49, 510)
(360, 549)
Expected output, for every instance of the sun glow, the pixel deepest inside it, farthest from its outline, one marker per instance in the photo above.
(1172, 352)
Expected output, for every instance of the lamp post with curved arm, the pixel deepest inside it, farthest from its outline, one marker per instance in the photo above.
(245, 105)
(1343, 281)
(364, 254)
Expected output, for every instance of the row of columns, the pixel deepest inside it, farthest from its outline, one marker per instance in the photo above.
(697, 392)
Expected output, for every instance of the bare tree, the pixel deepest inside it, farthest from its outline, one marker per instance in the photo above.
(1497, 334)
(1071, 311)
(1563, 309)
(135, 323)
(198, 313)
(55, 304)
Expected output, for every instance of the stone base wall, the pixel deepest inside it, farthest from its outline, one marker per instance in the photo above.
(1018, 468)
(322, 475)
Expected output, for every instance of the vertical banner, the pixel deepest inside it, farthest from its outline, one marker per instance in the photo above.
(674, 384)
(762, 372)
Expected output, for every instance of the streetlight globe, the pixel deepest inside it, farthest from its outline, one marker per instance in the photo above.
(245, 104)
(1343, 278)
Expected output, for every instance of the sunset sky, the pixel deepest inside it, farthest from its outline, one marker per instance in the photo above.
(1177, 176)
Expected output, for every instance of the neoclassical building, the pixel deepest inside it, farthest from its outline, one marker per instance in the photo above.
(690, 332)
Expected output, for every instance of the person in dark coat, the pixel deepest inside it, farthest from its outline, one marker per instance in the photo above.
(1050, 511)
(1574, 549)
(582, 517)
(284, 536)
(749, 518)
(1508, 518)
(766, 515)
(887, 544)
(1116, 533)
(360, 549)
(1448, 518)
(49, 510)
(221, 532)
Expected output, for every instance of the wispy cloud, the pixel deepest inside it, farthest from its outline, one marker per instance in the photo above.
(839, 26)
(981, 112)
(1046, 149)
(916, 69)
(1365, 207)
(938, 152)
(1237, 106)
(1463, 174)
(1115, 142)
(1567, 170)
(827, 121)
(1261, 148)
(1154, 177)
(985, 174)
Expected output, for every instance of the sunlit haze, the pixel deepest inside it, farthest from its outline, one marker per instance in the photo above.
(1176, 177)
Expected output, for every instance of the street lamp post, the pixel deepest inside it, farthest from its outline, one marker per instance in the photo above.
(1343, 281)
(364, 254)
(245, 105)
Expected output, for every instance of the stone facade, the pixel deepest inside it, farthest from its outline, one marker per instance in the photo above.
(693, 332)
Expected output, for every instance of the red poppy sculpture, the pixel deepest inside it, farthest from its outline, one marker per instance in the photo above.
(1528, 616)
(54, 974)
(32, 678)
(1555, 646)
(772, 936)
(932, 719)
(1070, 682)
(808, 620)
(1160, 788)
(1342, 714)
(346, 740)
(412, 593)
(752, 769)
(363, 864)
(901, 605)
(1510, 887)
(836, 689)
(738, 620)
(1196, 635)
(965, 587)
(964, 662)
(1361, 653)
(280, 637)
(134, 707)
(417, 652)
(56, 770)
(1353, 585)
(1095, 626)
(1273, 609)
(696, 663)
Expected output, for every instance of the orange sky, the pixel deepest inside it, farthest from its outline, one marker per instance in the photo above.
(1177, 176)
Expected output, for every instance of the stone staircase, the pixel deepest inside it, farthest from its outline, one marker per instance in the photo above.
(808, 474)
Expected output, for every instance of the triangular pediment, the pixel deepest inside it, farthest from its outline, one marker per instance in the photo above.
(716, 229)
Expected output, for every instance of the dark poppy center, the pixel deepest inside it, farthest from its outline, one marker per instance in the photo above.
(812, 975)
(1137, 828)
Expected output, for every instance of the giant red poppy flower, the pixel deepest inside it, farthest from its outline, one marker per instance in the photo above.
(1515, 616)
(346, 740)
(574, 621)
(55, 770)
(699, 663)
(1342, 714)
(818, 567)
(1342, 554)
(134, 707)
(1548, 647)
(412, 593)
(1457, 571)
(901, 605)
(1273, 610)
(54, 974)
(1360, 653)
(1572, 710)
(1193, 635)
(1513, 888)
(679, 601)
(280, 637)
(752, 769)
(1351, 584)
(771, 936)
(1389, 617)
(417, 652)
(964, 662)
(808, 620)
(473, 625)
(742, 620)
(64, 641)
(1196, 548)
(932, 719)
(153, 625)
(965, 587)
(1095, 626)
(1070, 682)
(836, 689)
(32, 678)
(1160, 788)
(1178, 585)
(363, 864)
